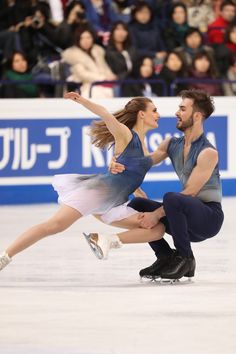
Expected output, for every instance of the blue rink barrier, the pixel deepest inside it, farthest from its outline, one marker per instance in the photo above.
(37, 194)
(41, 138)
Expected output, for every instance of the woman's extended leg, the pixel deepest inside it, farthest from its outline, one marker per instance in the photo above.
(60, 221)
(101, 244)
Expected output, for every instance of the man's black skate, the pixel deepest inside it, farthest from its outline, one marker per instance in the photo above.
(179, 267)
(154, 271)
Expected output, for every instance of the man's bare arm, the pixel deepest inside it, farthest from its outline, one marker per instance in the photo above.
(201, 173)
(160, 153)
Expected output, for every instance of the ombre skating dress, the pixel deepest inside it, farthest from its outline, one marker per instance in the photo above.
(99, 193)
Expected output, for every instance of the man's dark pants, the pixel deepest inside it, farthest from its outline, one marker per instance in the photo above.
(187, 220)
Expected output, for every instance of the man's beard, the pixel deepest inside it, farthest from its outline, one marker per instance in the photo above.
(185, 125)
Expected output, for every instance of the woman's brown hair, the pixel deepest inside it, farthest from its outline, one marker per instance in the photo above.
(101, 136)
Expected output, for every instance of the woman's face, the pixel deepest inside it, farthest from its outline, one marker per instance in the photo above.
(146, 69)
(202, 64)
(194, 40)
(143, 15)
(232, 35)
(179, 15)
(120, 34)
(86, 40)
(19, 63)
(151, 116)
(173, 62)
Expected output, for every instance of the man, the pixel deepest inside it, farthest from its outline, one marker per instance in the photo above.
(195, 214)
(216, 29)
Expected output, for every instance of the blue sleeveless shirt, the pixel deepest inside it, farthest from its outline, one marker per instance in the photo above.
(211, 191)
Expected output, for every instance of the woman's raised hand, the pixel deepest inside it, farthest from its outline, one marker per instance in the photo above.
(74, 96)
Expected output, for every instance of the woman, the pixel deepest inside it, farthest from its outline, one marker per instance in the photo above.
(18, 71)
(143, 70)
(174, 68)
(193, 44)
(145, 32)
(203, 68)
(87, 64)
(120, 53)
(75, 16)
(175, 32)
(108, 192)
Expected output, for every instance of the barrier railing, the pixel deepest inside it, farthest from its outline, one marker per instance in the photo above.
(76, 85)
(131, 81)
(199, 81)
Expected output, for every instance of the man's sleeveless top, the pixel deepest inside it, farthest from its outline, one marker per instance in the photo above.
(211, 191)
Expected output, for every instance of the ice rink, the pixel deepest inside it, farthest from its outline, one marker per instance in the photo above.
(57, 298)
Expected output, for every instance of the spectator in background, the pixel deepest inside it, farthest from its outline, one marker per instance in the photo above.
(74, 17)
(145, 34)
(101, 16)
(216, 29)
(161, 10)
(174, 68)
(144, 69)
(12, 15)
(122, 9)
(120, 53)
(230, 88)
(200, 13)
(204, 68)
(18, 70)
(193, 44)
(87, 64)
(38, 37)
(224, 51)
(175, 32)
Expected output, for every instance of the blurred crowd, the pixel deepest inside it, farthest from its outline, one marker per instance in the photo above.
(47, 47)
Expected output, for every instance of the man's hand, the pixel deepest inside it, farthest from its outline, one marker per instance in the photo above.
(151, 219)
(115, 167)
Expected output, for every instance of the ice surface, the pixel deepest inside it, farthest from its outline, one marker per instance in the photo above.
(56, 297)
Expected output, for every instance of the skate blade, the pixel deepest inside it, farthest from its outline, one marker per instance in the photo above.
(176, 281)
(94, 247)
(160, 281)
(147, 279)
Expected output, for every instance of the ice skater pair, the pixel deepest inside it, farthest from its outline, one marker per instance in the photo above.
(193, 215)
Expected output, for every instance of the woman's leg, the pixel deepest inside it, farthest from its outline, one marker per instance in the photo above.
(137, 234)
(101, 244)
(60, 221)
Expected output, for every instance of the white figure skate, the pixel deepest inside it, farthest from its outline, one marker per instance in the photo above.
(4, 260)
(101, 244)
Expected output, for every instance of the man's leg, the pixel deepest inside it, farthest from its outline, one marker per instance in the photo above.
(161, 248)
(189, 220)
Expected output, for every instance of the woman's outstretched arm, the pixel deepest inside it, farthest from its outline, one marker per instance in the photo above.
(117, 129)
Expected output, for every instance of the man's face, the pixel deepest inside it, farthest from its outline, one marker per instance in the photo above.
(185, 114)
(228, 12)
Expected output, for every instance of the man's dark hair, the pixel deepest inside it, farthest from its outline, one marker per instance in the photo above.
(226, 3)
(202, 102)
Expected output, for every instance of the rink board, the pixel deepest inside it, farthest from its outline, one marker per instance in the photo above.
(40, 138)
